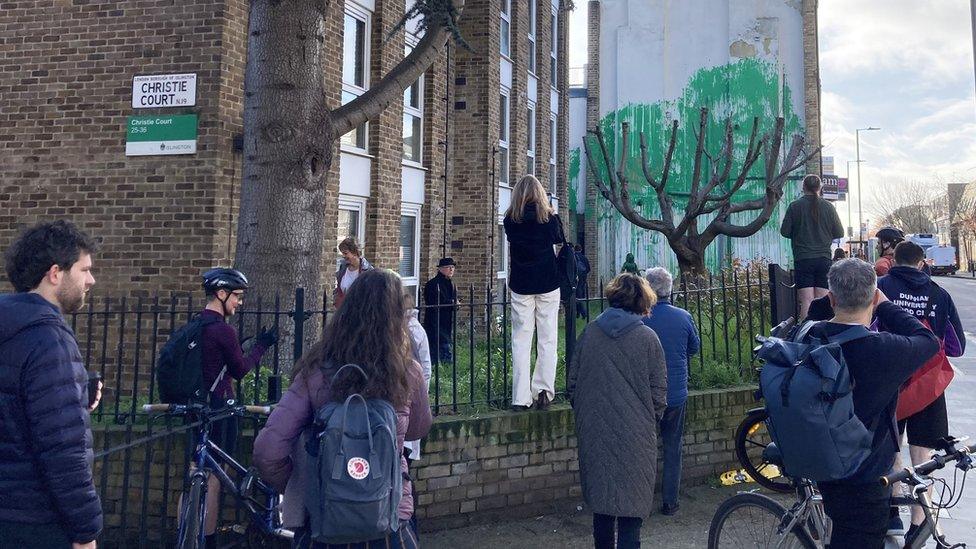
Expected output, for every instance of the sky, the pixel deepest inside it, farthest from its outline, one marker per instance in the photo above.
(905, 66)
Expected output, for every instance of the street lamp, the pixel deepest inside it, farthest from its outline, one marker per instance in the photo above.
(850, 197)
(857, 139)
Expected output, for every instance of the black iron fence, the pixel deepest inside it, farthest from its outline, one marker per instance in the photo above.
(140, 462)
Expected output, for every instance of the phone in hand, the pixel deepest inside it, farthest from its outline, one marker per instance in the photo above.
(94, 378)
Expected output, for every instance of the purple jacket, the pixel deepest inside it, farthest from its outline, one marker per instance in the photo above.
(279, 455)
(222, 348)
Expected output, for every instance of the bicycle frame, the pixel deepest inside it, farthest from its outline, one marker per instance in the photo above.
(209, 458)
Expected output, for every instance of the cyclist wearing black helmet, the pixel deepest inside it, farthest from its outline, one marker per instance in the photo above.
(224, 359)
(888, 238)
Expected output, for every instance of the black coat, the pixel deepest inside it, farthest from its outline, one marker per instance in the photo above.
(439, 290)
(533, 260)
(45, 436)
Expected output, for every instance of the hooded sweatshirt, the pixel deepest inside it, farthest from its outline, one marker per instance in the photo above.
(629, 266)
(912, 290)
(45, 434)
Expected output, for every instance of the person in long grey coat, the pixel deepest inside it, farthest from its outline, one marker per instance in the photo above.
(618, 389)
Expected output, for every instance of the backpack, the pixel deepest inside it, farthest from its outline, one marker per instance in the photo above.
(930, 381)
(809, 397)
(565, 266)
(354, 482)
(179, 368)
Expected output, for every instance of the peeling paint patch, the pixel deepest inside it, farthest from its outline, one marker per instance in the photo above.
(742, 49)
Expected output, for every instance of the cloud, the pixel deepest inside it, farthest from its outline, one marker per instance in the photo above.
(927, 38)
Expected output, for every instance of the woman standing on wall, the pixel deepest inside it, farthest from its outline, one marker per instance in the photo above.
(532, 230)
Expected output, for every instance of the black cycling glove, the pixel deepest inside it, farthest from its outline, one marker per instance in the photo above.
(267, 337)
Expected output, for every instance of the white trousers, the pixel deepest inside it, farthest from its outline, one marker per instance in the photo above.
(530, 313)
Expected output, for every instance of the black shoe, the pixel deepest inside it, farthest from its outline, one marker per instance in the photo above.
(543, 402)
(668, 510)
(519, 408)
(911, 534)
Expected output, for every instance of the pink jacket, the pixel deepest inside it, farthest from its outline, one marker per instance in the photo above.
(279, 454)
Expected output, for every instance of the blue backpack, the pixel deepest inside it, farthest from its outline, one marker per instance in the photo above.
(809, 397)
(355, 483)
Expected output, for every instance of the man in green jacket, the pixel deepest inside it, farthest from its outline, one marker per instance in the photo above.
(811, 223)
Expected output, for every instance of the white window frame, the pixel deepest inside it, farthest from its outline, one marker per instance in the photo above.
(505, 139)
(553, 49)
(355, 204)
(533, 17)
(351, 87)
(500, 228)
(553, 141)
(505, 28)
(417, 112)
(530, 132)
(412, 210)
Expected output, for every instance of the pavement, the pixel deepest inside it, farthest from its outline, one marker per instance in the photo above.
(689, 528)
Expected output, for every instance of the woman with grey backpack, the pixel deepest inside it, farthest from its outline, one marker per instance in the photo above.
(361, 366)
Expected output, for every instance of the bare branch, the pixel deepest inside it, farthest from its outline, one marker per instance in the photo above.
(669, 156)
(645, 162)
(390, 88)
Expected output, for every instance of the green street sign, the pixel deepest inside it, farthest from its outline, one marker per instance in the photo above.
(161, 134)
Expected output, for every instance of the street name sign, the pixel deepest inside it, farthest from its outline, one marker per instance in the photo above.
(164, 90)
(161, 134)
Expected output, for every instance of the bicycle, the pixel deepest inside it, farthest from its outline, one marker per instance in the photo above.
(259, 501)
(752, 437)
(749, 519)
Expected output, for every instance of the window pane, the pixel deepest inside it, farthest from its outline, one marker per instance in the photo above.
(530, 129)
(502, 118)
(552, 178)
(412, 136)
(354, 51)
(408, 233)
(356, 137)
(531, 55)
(552, 43)
(503, 164)
(532, 16)
(501, 247)
(505, 6)
(552, 139)
(530, 164)
(506, 38)
(411, 95)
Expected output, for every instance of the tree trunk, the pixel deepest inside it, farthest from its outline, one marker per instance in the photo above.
(287, 149)
(691, 258)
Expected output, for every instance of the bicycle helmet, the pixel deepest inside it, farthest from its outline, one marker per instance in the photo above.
(224, 279)
(890, 234)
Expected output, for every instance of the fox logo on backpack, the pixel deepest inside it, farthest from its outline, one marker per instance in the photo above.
(355, 483)
(809, 398)
(179, 369)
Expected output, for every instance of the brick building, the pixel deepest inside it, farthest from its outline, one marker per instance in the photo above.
(429, 177)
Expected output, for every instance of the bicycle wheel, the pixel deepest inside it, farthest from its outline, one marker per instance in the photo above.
(751, 437)
(191, 516)
(752, 520)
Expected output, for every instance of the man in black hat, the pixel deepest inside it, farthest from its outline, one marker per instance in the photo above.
(440, 296)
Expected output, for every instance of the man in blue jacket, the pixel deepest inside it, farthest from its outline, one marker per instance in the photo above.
(909, 287)
(47, 497)
(679, 337)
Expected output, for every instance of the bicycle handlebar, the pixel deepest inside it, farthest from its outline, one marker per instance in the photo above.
(183, 408)
(937, 462)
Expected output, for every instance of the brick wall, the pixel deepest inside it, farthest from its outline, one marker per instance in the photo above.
(65, 91)
(811, 81)
(473, 469)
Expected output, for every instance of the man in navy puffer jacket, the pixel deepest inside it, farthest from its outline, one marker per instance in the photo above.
(47, 497)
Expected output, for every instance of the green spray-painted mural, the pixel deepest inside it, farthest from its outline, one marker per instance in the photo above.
(739, 91)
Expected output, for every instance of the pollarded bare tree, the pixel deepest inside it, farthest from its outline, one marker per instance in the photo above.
(912, 206)
(290, 132)
(707, 195)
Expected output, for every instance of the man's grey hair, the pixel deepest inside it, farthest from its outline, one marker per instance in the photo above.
(853, 284)
(660, 280)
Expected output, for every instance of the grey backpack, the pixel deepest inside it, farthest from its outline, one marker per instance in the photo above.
(809, 397)
(355, 483)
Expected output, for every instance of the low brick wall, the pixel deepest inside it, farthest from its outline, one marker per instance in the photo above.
(503, 464)
(473, 469)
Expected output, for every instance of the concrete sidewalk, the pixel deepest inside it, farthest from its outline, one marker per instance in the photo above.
(686, 530)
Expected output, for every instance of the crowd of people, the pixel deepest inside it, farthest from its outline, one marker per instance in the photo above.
(627, 382)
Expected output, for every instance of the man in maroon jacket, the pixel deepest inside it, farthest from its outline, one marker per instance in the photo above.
(224, 359)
